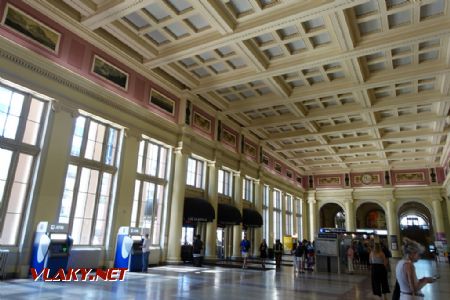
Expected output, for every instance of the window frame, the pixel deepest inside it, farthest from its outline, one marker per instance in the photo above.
(277, 211)
(227, 192)
(266, 211)
(248, 189)
(18, 147)
(200, 165)
(142, 177)
(289, 214)
(81, 162)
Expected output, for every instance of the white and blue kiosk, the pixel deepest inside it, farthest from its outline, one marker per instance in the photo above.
(129, 249)
(51, 247)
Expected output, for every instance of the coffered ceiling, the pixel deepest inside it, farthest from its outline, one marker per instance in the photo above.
(331, 86)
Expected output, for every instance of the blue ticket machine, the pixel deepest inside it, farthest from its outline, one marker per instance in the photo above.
(129, 249)
(51, 248)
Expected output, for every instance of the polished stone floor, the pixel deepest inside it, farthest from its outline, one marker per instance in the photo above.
(209, 282)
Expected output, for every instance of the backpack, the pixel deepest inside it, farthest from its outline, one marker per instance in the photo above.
(299, 251)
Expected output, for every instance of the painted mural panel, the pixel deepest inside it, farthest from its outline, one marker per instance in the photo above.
(105, 70)
(31, 29)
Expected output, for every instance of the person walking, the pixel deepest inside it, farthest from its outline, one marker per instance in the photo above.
(405, 271)
(263, 252)
(278, 252)
(145, 252)
(245, 248)
(298, 258)
(378, 263)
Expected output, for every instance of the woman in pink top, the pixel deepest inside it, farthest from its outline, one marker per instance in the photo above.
(350, 256)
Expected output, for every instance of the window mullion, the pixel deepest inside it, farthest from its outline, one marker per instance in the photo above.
(85, 138)
(105, 145)
(44, 115)
(8, 187)
(152, 223)
(76, 189)
(144, 158)
(139, 217)
(158, 161)
(22, 119)
(96, 204)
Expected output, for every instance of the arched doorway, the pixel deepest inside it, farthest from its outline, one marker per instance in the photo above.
(415, 223)
(332, 215)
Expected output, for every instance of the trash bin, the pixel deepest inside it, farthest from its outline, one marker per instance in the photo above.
(197, 260)
(3, 259)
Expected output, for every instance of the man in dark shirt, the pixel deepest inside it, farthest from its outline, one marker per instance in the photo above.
(197, 251)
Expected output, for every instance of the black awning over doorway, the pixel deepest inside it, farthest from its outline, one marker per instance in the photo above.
(251, 218)
(198, 210)
(228, 215)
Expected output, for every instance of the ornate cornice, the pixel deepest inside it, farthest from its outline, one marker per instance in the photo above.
(120, 105)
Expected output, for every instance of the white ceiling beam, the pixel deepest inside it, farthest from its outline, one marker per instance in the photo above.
(112, 11)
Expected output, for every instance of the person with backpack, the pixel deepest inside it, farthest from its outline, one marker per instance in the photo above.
(278, 252)
(299, 254)
(245, 249)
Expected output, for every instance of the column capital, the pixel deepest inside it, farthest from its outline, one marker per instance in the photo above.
(348, 200)
(312, 200)
(211, 163)
(237, 173)
(132, 132)
(440, 199)
(391, 200)
(58, 106)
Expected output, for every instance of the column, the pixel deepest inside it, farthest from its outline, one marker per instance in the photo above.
(237, 229)
(312, 215)
(283, 215)
(438, 219)
(393, 230)
(125, 194)
(48, 201)
(271, 227)
(177, 205)
(211, 227)
(304, 232)
(258, 207)
(349, 215)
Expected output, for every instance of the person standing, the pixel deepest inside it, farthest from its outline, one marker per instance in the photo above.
(378, 263)
(245, 248)
(350, 255)
(263, 252)
(405, 271)
(145, 252)
(197, 251)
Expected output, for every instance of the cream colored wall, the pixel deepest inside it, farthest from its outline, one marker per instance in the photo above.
(389, 199)
(72, 92)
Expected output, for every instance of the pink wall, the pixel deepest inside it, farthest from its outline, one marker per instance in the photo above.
(319, 178)
(77, 55)
(411, 181)
(381, 182)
